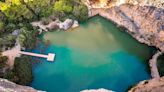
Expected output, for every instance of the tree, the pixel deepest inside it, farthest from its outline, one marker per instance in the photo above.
(15, 11)
(30, 9)
(27, 38)
(1, 26)
(63, 6)
(3, 61)
(80, 12)
(23, 70)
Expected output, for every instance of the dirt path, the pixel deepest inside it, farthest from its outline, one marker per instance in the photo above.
(12, 54)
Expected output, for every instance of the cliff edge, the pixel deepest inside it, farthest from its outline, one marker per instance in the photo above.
(7, 86)
(154, 85)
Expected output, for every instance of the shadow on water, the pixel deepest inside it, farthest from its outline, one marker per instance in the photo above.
(160, 64)
(59, 79)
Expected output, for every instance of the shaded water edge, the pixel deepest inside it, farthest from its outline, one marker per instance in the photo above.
(160, 64)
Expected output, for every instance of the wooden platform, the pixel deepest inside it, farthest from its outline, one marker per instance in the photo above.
(50, 56)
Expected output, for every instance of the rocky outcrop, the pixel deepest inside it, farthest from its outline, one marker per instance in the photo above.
(7, 86)
(145, 23)
(153, 65)
(97, 90)
(111, 3)
(154, 85)
(66, 24)
(57, 24)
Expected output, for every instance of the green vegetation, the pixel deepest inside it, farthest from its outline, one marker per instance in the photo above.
(22, 71)
(17, 15)
(29, 10)
(63, 6)
(27, 37)
(71, 9)
(160, 64)
(3, 60)
(7, 41)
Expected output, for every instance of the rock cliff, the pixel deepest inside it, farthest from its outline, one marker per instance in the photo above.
(7, 86)
(110, 3)
(154, 85)
(143, 19)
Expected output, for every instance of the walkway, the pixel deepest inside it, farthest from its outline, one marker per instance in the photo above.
(12, 54)
(50, 56)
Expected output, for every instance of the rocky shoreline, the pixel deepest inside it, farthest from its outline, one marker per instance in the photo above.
(154, 85)
(145, 24)
(7, 86)
(54, 25)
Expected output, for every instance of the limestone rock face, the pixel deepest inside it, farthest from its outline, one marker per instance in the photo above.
(110, 3)
(66, 24)
(7, 86)
(154, 85)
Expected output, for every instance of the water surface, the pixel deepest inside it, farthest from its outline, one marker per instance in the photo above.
(95, 55)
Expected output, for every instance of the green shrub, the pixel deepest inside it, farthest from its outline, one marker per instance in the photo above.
(63, 6)
(3, 61)
(23, 70)
(80, 12)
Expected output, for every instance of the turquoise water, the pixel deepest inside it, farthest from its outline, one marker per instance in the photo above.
(95, 55)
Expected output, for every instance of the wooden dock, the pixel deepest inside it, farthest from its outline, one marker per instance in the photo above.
(50, 56)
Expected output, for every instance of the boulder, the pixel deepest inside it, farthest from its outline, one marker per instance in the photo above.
(66, 24)
(7, 86)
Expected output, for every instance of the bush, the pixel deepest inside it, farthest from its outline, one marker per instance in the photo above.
(63, 6)
(23, 70)
(80, 12)
(27, 37)
(1, 25)
(3, 61)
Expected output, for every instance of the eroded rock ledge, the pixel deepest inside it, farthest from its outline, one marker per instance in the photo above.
(110, 3)
(154, 85)
(7, 86)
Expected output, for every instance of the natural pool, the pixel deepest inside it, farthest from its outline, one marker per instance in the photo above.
(95, 55)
